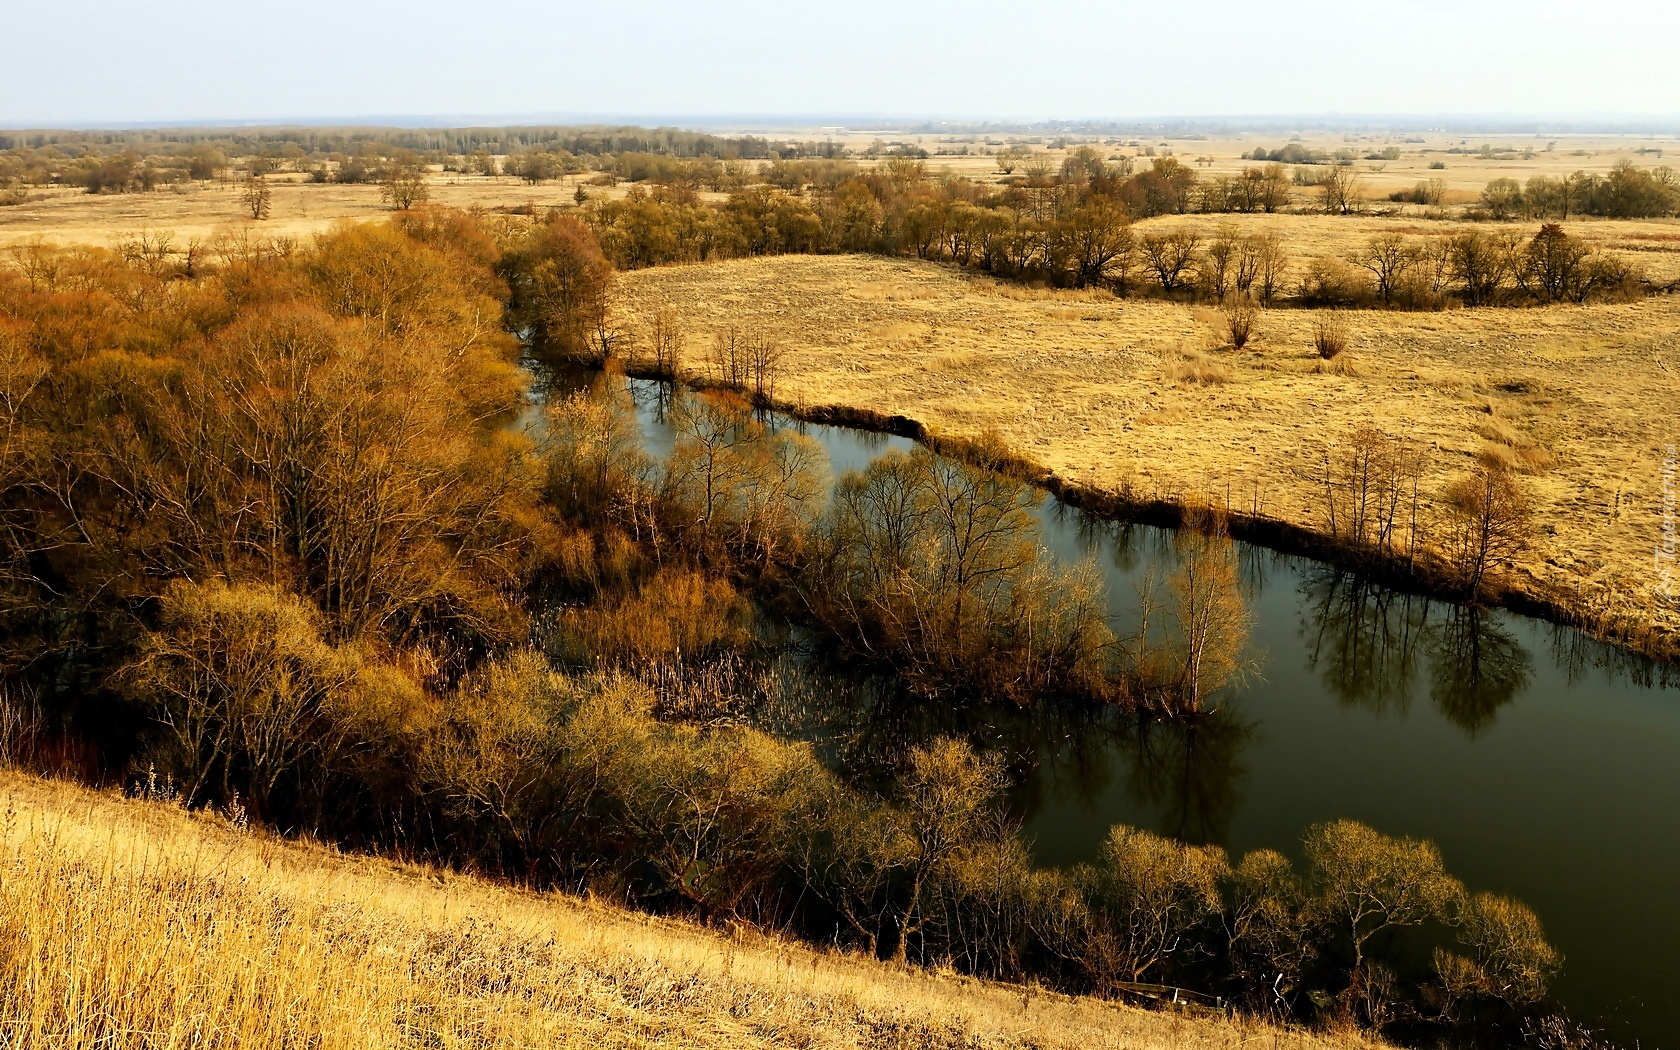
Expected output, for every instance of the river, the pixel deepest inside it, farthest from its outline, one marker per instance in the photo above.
(1545, 765)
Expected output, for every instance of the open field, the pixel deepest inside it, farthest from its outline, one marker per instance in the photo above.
(1080, 382)
(131, 922)
(197, 210)
(71, 216)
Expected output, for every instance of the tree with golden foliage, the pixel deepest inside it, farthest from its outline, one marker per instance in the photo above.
(561, 286)
(1212, 617)
(1506, 955)
(1491, 523)
(1365, 884)
(947, 794)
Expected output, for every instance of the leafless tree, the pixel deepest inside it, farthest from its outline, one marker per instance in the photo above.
(1342, 190)
(255, 197)
(1388, 256)
(1171, 257)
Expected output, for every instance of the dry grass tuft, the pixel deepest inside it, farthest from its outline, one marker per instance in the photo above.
(1341, 365)
(1506, 447)
(1185, 365)
(126, 923)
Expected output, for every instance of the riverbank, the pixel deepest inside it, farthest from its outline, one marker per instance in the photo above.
(130, 919)
(1081, 387)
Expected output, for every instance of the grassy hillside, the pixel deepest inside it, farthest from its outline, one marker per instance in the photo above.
(136, 923)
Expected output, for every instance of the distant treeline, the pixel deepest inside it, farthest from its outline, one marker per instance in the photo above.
(1074, 227)
(41, 157)
(590, 139)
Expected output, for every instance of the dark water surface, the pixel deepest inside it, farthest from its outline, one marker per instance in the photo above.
(1545, 765)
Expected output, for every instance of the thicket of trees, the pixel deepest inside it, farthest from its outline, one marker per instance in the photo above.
(1371, 485)
(927, 566)
(1625, 192)
(1081, 235)
(272, 542)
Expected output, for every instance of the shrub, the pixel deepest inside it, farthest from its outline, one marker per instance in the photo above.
(1330, 338)
(1240, 317)
(1503, 198)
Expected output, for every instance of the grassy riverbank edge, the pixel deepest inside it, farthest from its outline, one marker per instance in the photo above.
(1425, 577)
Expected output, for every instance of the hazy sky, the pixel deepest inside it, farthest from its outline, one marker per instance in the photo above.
(103, 60)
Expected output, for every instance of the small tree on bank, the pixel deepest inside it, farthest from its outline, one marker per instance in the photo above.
(1491, 519)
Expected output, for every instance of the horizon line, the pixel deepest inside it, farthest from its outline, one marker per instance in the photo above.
(1491, 122)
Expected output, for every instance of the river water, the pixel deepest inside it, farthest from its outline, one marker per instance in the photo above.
(1545, 765)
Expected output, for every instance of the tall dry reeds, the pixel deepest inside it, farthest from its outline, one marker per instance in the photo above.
(138, 924)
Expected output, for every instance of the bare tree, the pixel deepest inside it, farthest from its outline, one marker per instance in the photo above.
(665, 338)
(1388, 256)
(1220, 261)
(1342, 189)
(403, 187)
(1213, 620)
(1259, 266)
(254, 196)
(1491, 524)
(1172, 257)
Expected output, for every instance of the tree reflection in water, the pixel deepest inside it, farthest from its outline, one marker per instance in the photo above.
(1575, 653)
(1190, 773)
(1366, 638)
(1476, 667)
(1369, 642)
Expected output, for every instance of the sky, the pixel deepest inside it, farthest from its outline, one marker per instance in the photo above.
(116, 61)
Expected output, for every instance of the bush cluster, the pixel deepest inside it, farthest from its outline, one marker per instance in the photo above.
(1625, 192)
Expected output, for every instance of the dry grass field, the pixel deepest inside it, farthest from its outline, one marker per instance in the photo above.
(1515, 156)
(128, 923)
(1102, 391)
(298, 207)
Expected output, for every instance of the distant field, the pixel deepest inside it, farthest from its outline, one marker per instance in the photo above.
(1078, 381)
(130, 923)
(70, 215)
